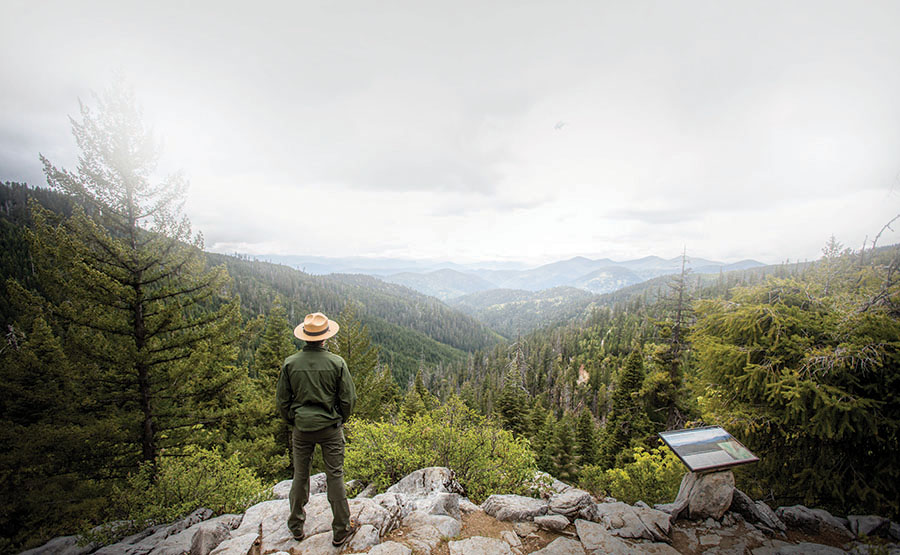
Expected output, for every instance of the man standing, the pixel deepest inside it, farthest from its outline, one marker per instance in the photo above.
(316, 395)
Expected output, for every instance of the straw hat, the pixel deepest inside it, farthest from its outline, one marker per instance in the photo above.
(316, 327)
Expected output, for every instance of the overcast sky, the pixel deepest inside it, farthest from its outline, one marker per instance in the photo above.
(481, 130)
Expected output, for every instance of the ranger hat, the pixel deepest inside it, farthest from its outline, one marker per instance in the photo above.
(316, 327)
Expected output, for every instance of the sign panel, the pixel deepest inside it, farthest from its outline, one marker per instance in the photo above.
(709, 448)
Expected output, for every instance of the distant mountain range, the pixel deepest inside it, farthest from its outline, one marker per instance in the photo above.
(446, 280)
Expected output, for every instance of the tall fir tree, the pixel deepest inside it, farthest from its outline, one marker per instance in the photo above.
(375, 387)
(146, 324)
(565, 456)
(627, 421)
(585, 438)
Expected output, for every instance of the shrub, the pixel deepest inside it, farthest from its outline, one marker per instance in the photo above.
(653, 477)
(485, 458)
(200, 478)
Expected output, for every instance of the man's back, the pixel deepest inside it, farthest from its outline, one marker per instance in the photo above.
(315, 389)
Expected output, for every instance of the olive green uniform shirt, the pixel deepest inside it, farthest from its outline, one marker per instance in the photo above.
(315, 389)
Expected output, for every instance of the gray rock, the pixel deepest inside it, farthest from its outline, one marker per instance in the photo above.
(282, 490)
(440, 504)
(319, 544)
(213, 532)
(562, 546)
(524, 529)
(271, 514)
(595, 537)
(554, 523)
(390, 548)
(64, 545)
(435, 479)
(756, 512)
(657, 523)
(511, 538)
(570, 502)
(622, 520)
(364, 538)
(661, 549)
(894, 531)
(708, 540)
(399, 506)
(369, 491)
(448, 526)
(868, 525)
(703, 495)
(318, 483)
(194, 518)
(237, 545)
(813, 521)
(514, 507)
(466, 506)
(807, 548)
(642, 505)
(479, 545)
(424, 538)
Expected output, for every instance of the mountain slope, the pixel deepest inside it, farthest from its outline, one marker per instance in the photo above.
(443, 284)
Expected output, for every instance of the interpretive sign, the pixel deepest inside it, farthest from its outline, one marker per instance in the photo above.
(709, 448)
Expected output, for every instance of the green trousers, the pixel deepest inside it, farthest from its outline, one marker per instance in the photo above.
(331, 440)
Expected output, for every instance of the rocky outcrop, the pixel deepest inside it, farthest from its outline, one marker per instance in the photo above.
(755, 512)
(514, 507)
(813, 521)
(479, 545)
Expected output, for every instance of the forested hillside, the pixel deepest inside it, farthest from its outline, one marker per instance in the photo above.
(801, 362)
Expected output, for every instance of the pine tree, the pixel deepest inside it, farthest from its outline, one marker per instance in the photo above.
(375, 387)
(544, 443)
(512, 403)
(627, 420)
(276, 345)
(565, 457)
(585, 438)
(147, 325)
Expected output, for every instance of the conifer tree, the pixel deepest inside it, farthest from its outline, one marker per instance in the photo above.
(627, 420)
(147, 325)
(565, 456)
(585, 438)
(512, 403)
(276, 345)
(375, 387)
(544, 443)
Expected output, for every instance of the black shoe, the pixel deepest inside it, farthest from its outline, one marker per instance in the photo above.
(300, 537)
(350, 531)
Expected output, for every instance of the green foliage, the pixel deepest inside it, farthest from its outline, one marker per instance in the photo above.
(485, 458)
(182, 484)
(627, 422)
(804, 372)
(564, 456)
(585, 438)
(375, 387)
(653, 477)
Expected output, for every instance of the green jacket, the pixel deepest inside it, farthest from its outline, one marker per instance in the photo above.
(315, 389)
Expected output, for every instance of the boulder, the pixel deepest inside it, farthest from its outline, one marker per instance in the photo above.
(867, 525)
(524, 529)
(562, 546)
(894, 531)
(511, 538)
(755, 512)
(595, 537)
(466, 506)
(318, 483)
(570, 502)
(180, 542)
(397, 505)
(622, 520)
(236, 545)
(657, 522)
(813, 521)
(390, 548)
(435, 479)
(424, 538)
(703, 495)
(364, 538)
(64, 545)
(271, 514)
(319, 544)
(554, 523)
(213, 532)
(514, 507)
(661, 549)
(369, 491)
(479, 545)
(440, 504)
(282, 490)
(447, 526)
